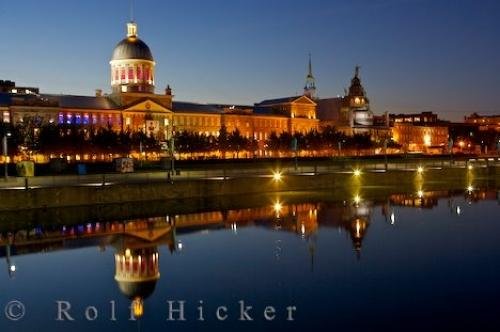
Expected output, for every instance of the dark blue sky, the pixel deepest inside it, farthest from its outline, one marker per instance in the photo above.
(416, 55)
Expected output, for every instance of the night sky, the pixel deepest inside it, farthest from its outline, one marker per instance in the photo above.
(415, 55)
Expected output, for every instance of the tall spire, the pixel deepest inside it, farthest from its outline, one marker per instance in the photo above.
(131, 25)
(131, 10)
(310, 66)
(310, 87)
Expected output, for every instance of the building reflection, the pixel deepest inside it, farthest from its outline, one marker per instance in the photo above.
(353, 219)
(137, 259)
(136, 243)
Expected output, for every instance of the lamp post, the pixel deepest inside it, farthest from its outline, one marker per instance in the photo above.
(5, 155)
(172, 152)
(385, 153)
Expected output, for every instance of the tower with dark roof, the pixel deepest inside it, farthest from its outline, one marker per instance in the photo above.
(132, 64)
(310, 87)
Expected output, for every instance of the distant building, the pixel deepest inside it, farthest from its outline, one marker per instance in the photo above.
(485, 122)
(351, 113)
(10, 87)
(416, 118)
(420, 132)
(426, 138)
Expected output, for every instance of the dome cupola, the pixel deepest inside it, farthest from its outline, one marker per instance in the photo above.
(132, 64)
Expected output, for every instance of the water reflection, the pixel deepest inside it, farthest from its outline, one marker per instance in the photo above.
(137, 259)
(138, 238)
(136, 242)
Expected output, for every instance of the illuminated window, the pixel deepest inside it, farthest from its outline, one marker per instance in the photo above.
(139, 73)
(6, 117)
(124, 88)
(357, 100)
(69, 117)
(130, 73)
(85, 119)
(60, 120)
(122, 74)
(427, 140)
(127, 121)
(78, 119)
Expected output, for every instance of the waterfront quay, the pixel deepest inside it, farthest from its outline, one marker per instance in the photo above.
(224, 179)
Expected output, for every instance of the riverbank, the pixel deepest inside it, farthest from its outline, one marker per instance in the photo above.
(341, 183)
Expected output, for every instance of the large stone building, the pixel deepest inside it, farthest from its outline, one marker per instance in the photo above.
(134, 105)
(420, 132)
(351, 113)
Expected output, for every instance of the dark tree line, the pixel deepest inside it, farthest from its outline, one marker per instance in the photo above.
(79, 139)
(71, 139)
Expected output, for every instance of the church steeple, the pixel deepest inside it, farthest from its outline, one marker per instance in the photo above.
(310, 87)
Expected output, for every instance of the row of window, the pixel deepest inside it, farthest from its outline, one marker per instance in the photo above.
(132, 73)
(87, 119)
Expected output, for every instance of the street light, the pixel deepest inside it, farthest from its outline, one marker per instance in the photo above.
(277, 176)
(5, 154)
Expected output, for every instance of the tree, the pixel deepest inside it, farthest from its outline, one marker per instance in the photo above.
(222, 141)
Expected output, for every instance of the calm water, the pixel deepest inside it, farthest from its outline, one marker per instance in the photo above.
(400, 262)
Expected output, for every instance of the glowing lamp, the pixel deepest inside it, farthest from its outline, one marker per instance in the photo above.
(420, 169)
(427, 140)
(277, 176)
(277, 207)
(357, 172)
(138, 307)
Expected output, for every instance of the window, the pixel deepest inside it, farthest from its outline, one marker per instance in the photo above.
(130, 73)
(69, 117)
(85, 119)
(122, 74)
(6, 116)
(139, 73)
(78, 119)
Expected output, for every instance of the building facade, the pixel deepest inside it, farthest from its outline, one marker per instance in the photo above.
(134, 106)
(485, 122)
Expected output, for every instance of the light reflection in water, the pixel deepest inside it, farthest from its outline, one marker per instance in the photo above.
(136, 242)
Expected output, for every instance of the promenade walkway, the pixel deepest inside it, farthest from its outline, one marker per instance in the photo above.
(229, 171)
